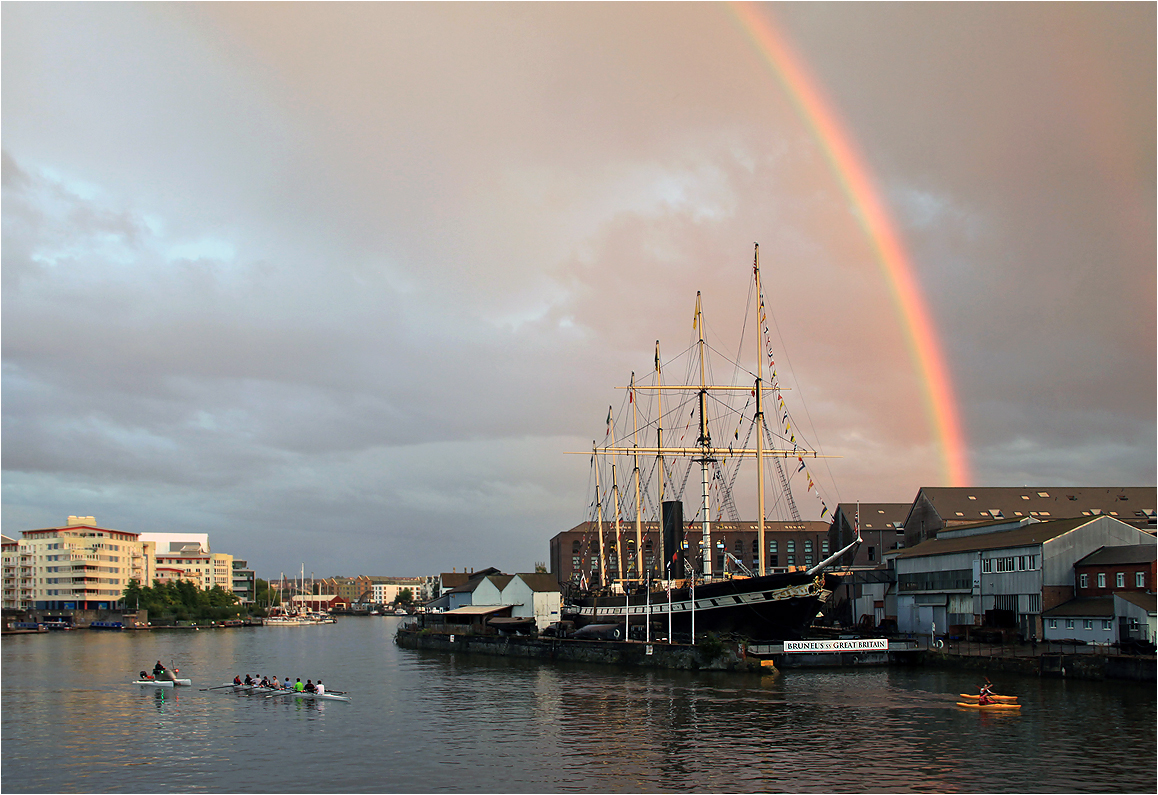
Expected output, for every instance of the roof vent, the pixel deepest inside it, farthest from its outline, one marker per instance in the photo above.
(1072, 497)
(996, 513)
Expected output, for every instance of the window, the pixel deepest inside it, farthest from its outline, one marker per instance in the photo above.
(1107, 623)
(774, 560)
(987, 565)
(872, 553)
(1083, 581)
(791, 546)
(807, 560)
(1101, 579)
(1053, 623)
(1089, 623)
(791, 559)
(1120, 579)
(808, 546)
(1139, 579)
(772, 547)
(1069, 623)
(824, 547)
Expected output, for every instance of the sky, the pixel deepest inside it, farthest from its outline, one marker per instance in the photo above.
(342, 285)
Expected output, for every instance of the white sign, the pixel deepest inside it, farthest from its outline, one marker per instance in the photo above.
(856, 644)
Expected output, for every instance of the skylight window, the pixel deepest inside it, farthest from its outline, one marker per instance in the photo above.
(1025, 496)
(1043, 494)
(972, 497)
(996, 513)
(959, 513)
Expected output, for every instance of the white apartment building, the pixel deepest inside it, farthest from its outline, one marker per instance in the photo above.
(190, 554)
(80, 566)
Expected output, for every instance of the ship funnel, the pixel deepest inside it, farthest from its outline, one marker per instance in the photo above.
(673, 536)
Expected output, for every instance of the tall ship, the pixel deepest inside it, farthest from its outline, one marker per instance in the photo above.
(679, 594)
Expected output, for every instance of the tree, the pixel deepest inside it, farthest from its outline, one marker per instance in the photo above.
(404, 597)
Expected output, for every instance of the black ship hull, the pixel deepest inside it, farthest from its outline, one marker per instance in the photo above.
(775, 607)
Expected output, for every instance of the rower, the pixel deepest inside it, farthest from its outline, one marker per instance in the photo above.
(265, 681)
(248, 679)
(274, 683)
(287, 684)
(298, 686)
(309, 688)
(319, 688)
(236, 680)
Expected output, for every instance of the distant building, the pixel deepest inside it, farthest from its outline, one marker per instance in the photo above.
(574, 553)
(244, 582)
(1004, 574)
(882, 528)
(936, 508)
(80, 566)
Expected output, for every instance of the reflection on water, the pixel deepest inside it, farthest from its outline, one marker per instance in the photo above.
(424, 722)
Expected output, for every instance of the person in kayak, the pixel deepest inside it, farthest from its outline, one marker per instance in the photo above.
(299, 687)
(986, 695)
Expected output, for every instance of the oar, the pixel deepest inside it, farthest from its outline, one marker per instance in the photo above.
(203, 689)
(337, 692)
(284, 693)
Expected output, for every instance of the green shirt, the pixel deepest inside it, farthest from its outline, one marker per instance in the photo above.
(298, 686)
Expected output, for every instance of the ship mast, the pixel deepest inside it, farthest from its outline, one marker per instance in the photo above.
(615, 500)
(599, 514)
(664, 553)
(759, 415)
(705, 443)
(638, 493)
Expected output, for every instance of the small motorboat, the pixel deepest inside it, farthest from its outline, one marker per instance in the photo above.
(165, 680)
(988, 707)
(994, 696)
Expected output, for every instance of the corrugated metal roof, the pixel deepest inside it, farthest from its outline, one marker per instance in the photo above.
(1022, 536)
(476, 610)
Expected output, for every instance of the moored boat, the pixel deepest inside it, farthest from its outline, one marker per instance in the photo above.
(684, 592)
(164, 682)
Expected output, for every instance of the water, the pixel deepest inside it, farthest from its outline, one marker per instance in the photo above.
(428, 722)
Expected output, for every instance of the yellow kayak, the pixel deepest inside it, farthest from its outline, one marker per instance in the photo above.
(998, 699)
(988, 707)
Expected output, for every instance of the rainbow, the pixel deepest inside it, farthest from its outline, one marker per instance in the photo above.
(856, 181)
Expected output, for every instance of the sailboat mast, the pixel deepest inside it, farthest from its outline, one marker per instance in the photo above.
(759, 414)
(599, 516)
(706, 444)
(638, 492)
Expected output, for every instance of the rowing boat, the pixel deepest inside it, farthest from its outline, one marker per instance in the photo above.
(988, 707)
(996, 698)
(307, 694)
(164, 682)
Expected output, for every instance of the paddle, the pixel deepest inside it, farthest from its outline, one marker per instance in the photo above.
(337, 692)
(203, 689)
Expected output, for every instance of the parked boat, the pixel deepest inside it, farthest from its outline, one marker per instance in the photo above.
(690, 597)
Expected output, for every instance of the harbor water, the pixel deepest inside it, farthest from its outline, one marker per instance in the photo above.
(431, 722)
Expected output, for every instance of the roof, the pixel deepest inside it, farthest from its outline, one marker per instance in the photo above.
(476, 610)
(1089, 606)
(876, 515)
(500, 580)
(1134, 504)
(543, 583)
(1036, 533)
(453, 579)
(1146, 601)
(1112, 556)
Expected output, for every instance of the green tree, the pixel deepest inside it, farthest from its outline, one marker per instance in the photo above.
(404, 597)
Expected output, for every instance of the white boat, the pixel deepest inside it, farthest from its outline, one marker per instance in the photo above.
(164, 682)
(305, 694)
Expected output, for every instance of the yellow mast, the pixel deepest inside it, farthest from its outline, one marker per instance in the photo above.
(759, 415)
(638, 493)
(599, 515)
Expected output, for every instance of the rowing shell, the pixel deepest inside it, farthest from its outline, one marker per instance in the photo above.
(998, 699)
(164, 682)
(305, 694)
(988, 707)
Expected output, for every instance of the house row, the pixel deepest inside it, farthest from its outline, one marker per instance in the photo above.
(495, 599)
